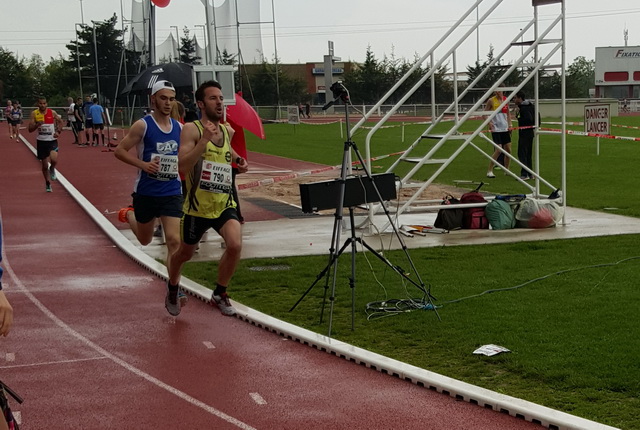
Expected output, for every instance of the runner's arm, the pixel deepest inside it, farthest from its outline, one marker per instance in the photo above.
(6, 311)
(33, 125)
(192, 145)
(133, 137)
(59, 123)
(243, 165)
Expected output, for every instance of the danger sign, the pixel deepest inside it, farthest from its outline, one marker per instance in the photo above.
(597, 118)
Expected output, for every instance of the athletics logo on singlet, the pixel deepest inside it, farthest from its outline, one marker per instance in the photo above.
(168, 163)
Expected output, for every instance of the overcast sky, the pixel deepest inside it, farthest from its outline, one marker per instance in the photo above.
(404, 27)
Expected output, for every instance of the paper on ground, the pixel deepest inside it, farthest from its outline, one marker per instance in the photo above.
(490, 350)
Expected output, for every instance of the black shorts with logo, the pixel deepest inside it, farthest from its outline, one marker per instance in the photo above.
(193, 227)
(146, 208)
(44, 148)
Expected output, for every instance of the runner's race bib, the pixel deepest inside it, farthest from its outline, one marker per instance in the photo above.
(46, 130)
(168, 167)
(215, 177)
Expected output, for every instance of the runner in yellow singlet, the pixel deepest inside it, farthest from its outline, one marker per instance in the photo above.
(204, 159)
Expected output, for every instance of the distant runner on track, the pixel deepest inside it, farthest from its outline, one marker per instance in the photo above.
(49, 125)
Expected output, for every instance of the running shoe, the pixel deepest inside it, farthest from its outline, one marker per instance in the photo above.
(122, 214)
(224, 304)
(52, 173)
(182, 298)
(490, 174)
(158, 231)
(48, 189)
(171, 303)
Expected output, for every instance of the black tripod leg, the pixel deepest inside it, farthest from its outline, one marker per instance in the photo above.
(352, 279)
(332, 260)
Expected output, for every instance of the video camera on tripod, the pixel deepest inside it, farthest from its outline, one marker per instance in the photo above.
(340, 92)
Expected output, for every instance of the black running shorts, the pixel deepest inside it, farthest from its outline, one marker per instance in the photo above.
(501, 137)
(193, 227)
(147, 208)
(44, 148)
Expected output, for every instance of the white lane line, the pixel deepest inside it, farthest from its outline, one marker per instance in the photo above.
(10, 356)
(258, 398)
(209, 345)
(115, 359)
(48, 363)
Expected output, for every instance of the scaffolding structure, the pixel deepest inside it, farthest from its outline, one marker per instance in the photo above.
(543, 43)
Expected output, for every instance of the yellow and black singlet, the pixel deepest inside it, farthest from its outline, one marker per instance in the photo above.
(209, 183)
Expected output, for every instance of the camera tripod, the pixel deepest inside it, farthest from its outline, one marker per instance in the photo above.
(340, 92)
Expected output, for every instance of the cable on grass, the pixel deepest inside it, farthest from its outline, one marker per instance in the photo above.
(561, 272)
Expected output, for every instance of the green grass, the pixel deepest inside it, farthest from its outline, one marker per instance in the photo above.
(594, 181)
(573, 334)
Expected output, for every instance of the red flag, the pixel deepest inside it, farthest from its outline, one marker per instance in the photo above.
(245, 116)
(161, 3)
(238, 142)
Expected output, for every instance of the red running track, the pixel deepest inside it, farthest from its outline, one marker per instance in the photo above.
(93, 347)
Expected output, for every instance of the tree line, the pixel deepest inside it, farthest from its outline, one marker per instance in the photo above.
(264, 84)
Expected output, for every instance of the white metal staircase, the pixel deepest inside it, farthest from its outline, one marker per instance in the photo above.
(546, 43)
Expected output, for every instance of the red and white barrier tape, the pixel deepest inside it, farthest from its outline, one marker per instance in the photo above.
(604, 136)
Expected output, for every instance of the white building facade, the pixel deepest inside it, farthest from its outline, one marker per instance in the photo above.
(617, 72)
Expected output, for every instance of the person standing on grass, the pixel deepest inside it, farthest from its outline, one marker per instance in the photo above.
(526, 115)
(157, 191)
(500, 133)
(205, 159)
(49, 126)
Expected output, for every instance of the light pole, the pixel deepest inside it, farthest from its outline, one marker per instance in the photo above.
(95, 48)
(204, 31)
(177, 43)
(78, 58)
(81, 13)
